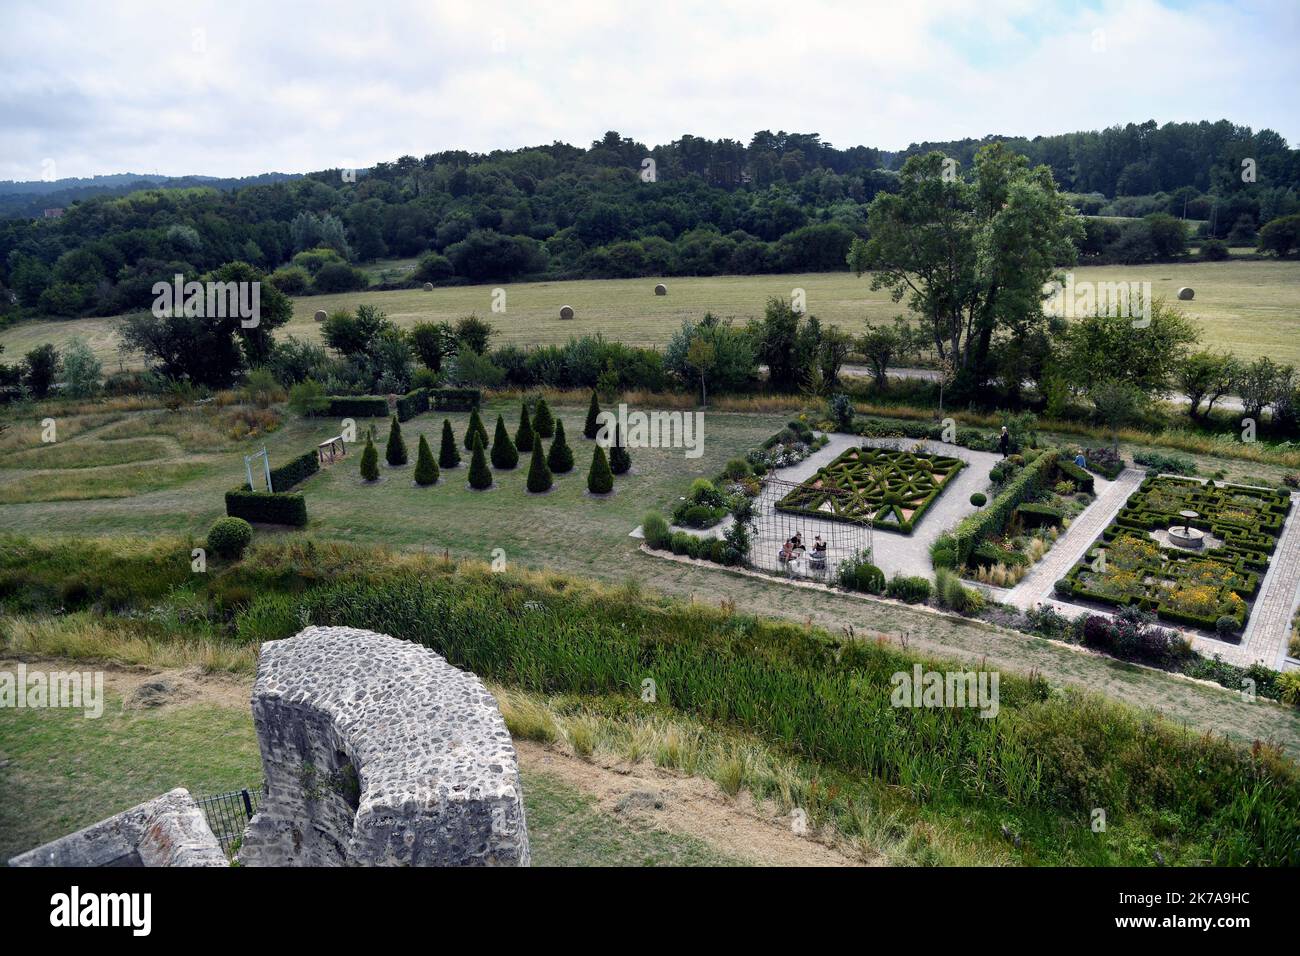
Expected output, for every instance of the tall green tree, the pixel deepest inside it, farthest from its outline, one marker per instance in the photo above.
(475, 427)
(539, 474)
(543, 420)
(620, 462)
(448, 453)
(560, 457)
(370, 461)
(600, 480)
(395, 450)
(504, 454)
(480, 475)
(971, 256)
(524, 437)
(426, 469)
(592, 425)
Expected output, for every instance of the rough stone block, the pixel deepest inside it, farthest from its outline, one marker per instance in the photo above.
(377, 752)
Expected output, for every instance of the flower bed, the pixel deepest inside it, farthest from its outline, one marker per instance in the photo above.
(1127, 568)
(890, 489)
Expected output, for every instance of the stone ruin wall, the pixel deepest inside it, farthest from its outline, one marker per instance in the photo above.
(377, 752)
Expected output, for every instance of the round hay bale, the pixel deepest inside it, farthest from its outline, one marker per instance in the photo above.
(661, 289)
(566, 311)
(428, 287)
(320, 315)
(1186, 292)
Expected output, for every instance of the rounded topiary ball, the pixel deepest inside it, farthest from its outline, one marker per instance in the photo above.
(979, 500)
(229, 537)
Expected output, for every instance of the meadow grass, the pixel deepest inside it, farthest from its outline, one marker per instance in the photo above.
(1245, 307)
(62, 772)
(1049, 756)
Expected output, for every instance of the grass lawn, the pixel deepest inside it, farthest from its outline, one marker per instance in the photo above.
(565, 530)
(60, 772)
(1246, 307)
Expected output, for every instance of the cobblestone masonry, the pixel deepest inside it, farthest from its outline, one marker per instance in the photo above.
(378, 752)
(167, 831)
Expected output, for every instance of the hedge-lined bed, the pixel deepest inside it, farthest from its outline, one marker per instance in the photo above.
(1128, 568)
(890, 489)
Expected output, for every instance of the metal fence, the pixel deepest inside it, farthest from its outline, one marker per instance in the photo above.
(228, 814)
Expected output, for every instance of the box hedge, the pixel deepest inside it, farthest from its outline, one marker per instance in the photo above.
(993, 518)
(454, 399)
(412, 404)
(267, 507)
(295, 471)
(356, 406)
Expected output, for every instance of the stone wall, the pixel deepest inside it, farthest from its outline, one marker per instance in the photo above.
(378, 752)
(167, 831)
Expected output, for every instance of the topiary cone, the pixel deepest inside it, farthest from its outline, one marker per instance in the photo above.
(619, 460)
(600, 481)
(370, 461)
(543, 420)
(560, 457)
(475, 428)
(395, 450)
(524, 434)
(480, 475)
(426, 469)
(504, 454)
(539, 475)
(448, 453)
(592, 426)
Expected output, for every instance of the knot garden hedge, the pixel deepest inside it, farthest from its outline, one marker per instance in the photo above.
(882, 487)
(1127, 567)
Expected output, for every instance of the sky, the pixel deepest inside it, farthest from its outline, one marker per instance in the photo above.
(235, 88)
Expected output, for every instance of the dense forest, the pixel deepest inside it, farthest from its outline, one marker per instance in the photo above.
(784, 202)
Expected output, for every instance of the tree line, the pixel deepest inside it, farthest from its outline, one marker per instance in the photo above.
(784, 202)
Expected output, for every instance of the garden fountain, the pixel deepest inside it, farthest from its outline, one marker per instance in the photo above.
(1186, 536)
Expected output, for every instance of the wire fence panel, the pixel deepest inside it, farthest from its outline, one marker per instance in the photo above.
(228, 814)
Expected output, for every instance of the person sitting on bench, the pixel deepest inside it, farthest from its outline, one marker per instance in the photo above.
(787, 551)
(818, 557)
(797, 540)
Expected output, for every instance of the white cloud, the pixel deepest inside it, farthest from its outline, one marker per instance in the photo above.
(239, 88)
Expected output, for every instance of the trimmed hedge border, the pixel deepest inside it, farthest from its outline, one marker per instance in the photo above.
(356, 406)
(455, 399)
(267, 507)
(412, 404)
(294, 472)
(993, 517)
(1081, 478)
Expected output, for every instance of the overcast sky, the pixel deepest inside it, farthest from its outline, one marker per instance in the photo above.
(233, 88)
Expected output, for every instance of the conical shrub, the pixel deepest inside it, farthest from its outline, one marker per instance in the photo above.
(448, 453)
(592, 426)
(543, 420)
(524, 434)
(600, 481)
(480, 475)
(395, 450)
(539, 475)
(560, 457)
(426, 469)
(504, 454)
(370, 461)
(619, 460)
(475, 428)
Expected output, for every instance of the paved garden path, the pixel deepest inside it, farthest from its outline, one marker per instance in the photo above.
(1269, 630)
(1036, 586)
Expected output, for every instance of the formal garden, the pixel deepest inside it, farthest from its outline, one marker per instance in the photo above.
(882, 487)
(1192, 552)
